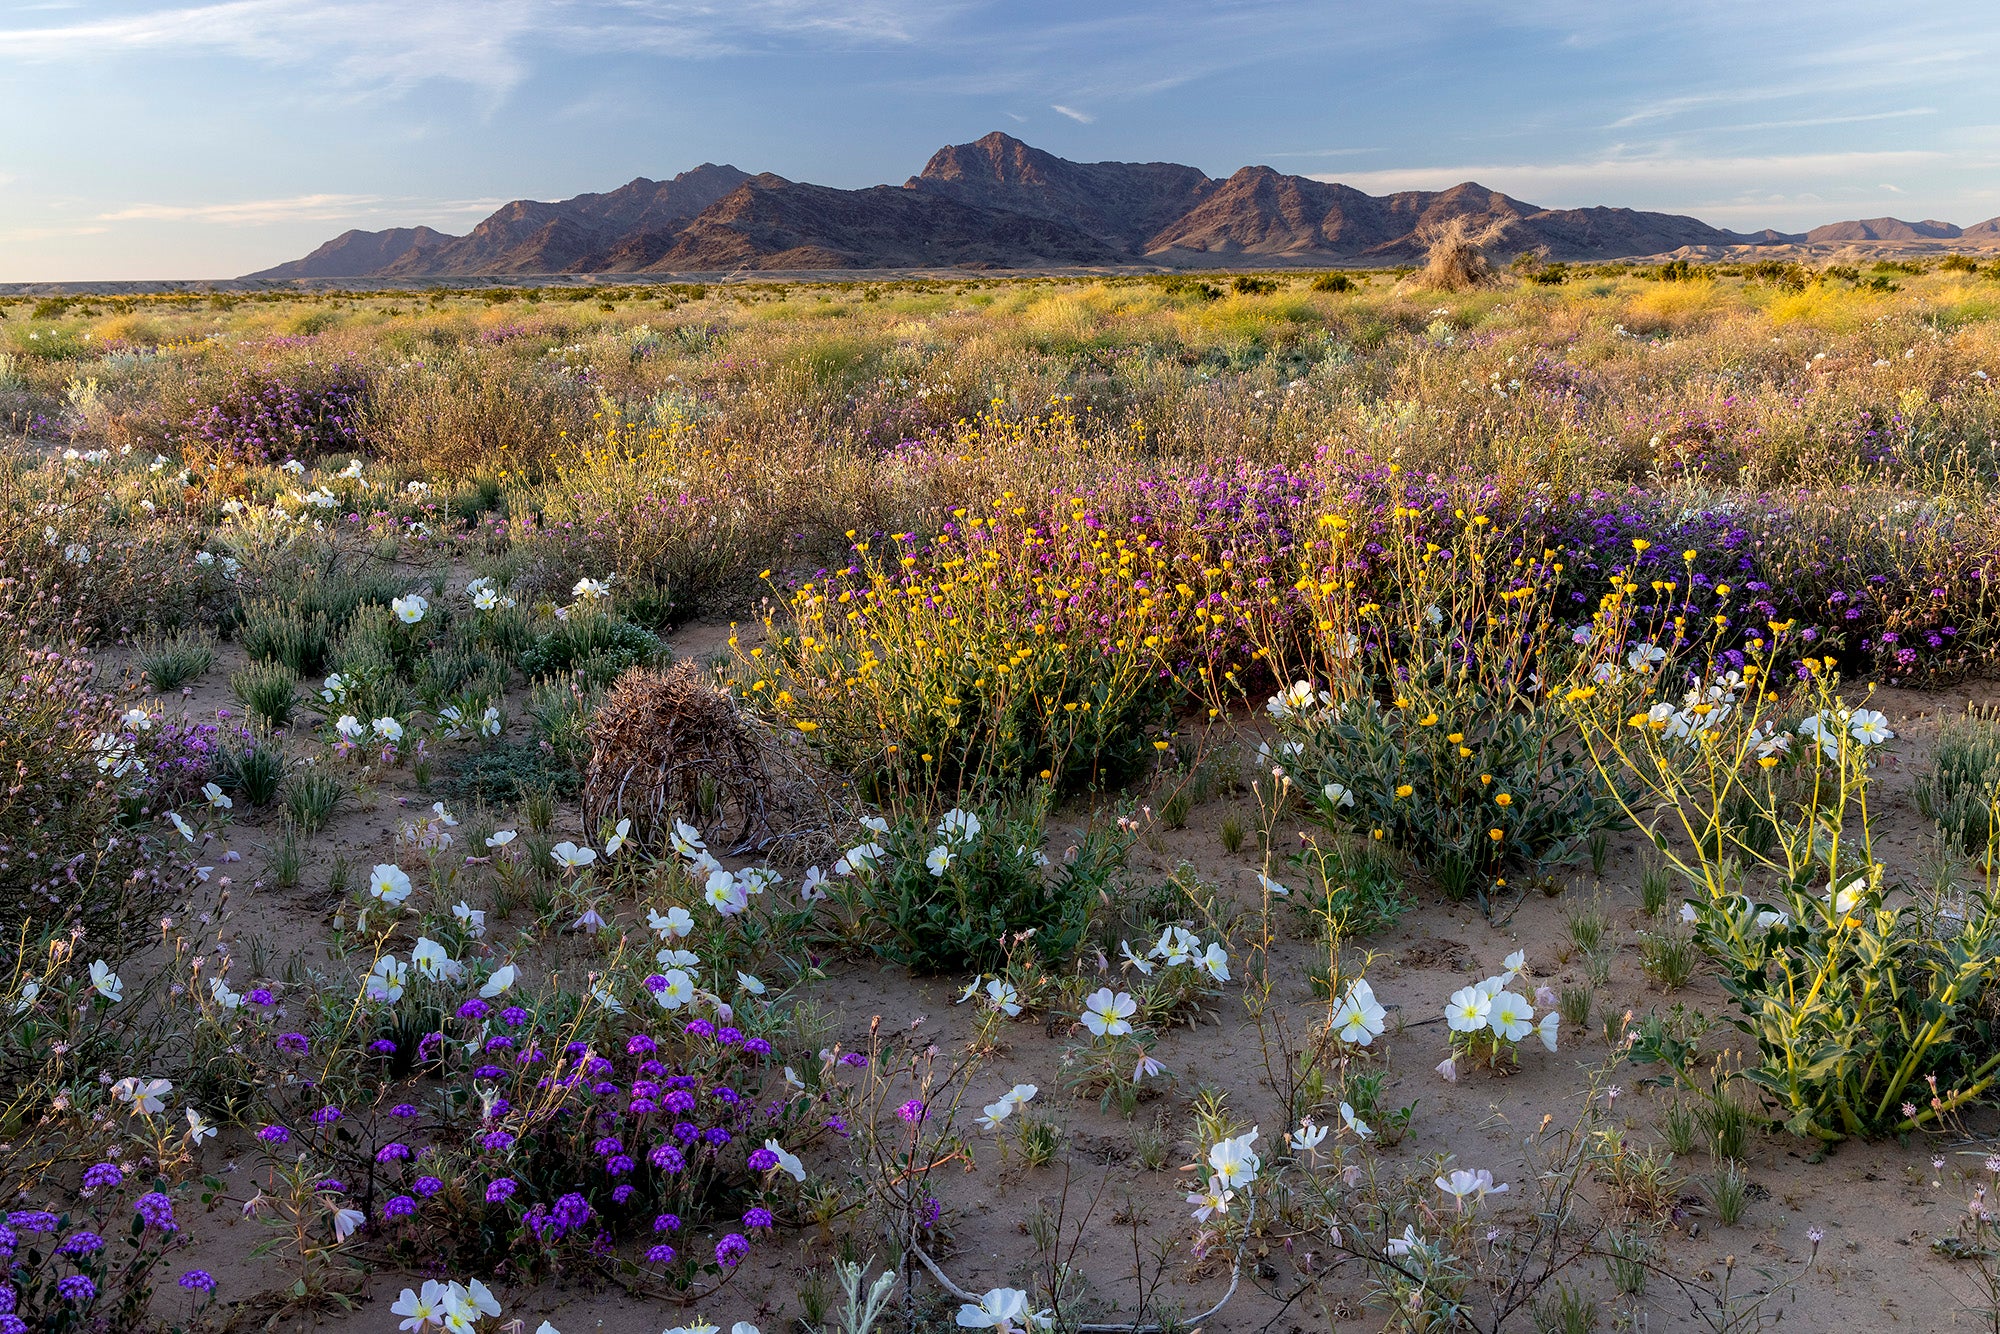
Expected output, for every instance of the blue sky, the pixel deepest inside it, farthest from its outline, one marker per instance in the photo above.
(155, 138)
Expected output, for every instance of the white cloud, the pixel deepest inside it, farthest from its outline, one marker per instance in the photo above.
(297, 208)
(486, 43)
(1080, 117)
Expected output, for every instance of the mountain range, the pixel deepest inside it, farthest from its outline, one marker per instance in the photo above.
(999, 203)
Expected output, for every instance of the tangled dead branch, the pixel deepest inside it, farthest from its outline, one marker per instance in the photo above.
(1455, 254)
(668, 745)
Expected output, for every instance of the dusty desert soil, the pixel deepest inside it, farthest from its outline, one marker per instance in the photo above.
(1880, 1204)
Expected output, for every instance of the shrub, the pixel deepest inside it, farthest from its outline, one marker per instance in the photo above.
(268, 690)
(282, 633)
(1856, 997)
(966, 668)
(957, 897)
(272, 410)
(69, 761)
(1449, 737)
(1961, 793)
(171, 662)
(596, 645)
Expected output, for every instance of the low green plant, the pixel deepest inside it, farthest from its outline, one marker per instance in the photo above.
(255, 771)
(594, 645)
(281, 632)
(170, 662)
(268, 689)
(1862, 1011)
(1444, 729)
(311, 797)
(1564, 1310)
(1232, 833)
(1961, 793)
(1349, 887)
(1729, 1190)
(955, 897)
(1667, 957)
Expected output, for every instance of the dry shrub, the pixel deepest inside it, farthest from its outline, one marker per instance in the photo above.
(474, 411)
(1455, 254)
(668, 745)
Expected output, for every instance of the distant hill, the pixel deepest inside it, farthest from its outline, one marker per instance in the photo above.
(1002, 203)
(1885, 229)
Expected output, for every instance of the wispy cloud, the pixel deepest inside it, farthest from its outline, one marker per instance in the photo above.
(297, 208)
(487, 43)
(1080, 117)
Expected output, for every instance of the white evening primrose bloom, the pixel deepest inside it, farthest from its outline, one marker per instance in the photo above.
(386, 982)
(1869, 727)
(1514, 963)
(787, 1162)
(619, 834)
(1233, 1161)
(434, 961)
(674, 924)
(1001, 995)
(1273, 887)
(227, 999)
(749, 983)
(420, 1310)
(958, 826)
(1547, 1028)
(409, 610)
(500, 838)
(1214, 961)
(486, 599)
(471, 918)
(389, 883)
(1337, 795)
(1468, 1009)
(1847, 899)
(350, 727)
(147, 1096)
(1109, 1014)
(216, 796)
(875, 824)
(725, 893)
(994, 1113)
(1359, 1018)
(388, 729)
(1212, 1200)
(1125, 952)
(1177, 945)
(345, 1221)
(940, 859)
(105, 982)
(187, 830)
(590, 589)
(677, 958)
(1361, 1128)
(1511, 1016)
(813, 888)
(1477, 1185)
(571, 857)
(1643, 657)
(1308, 1137)
(198, 1127)
(686, 839)
(679, 990)
(1003, 1310)
(502, 978)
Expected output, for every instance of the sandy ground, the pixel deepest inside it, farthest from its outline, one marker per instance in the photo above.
(1880, 1204)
